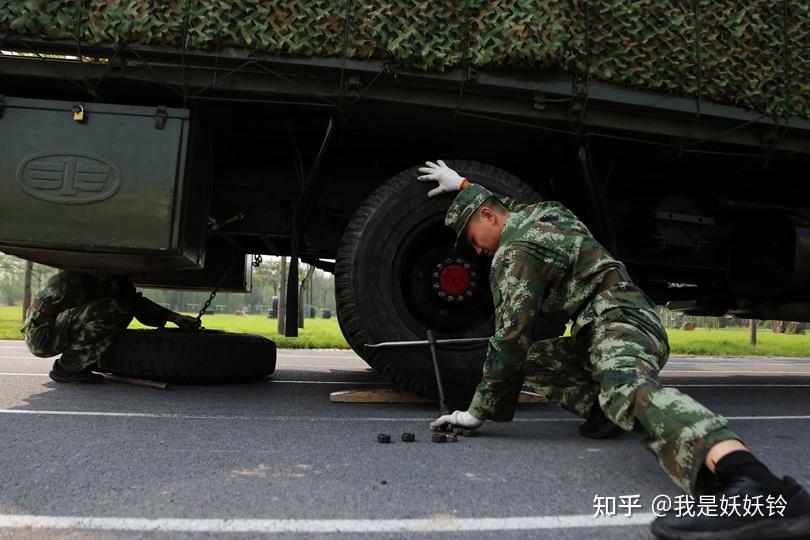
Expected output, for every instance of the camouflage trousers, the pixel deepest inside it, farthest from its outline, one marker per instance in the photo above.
(82, 335)
(616, 360)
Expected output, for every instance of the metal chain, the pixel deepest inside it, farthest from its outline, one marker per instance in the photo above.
(257, 261)
(207, 303)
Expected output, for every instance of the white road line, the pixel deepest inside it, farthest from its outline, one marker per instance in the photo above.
(347, 357)
(329, 382)
(178, 416)
(666, 371)
(746, 364)
(799, 360)
(308, 353)
(435, 524)
(799, 363)
(721, 359)
(279, 365)
(279, 358)
(327, 419)
(751, 373)
(349, 383)
(739, 385)
(739, 418)
(316, 367)
(275, 381)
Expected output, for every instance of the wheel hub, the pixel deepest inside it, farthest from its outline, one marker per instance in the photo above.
(454, 280)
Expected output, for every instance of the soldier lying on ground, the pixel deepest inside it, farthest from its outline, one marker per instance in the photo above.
(546, 263)
(78, 315)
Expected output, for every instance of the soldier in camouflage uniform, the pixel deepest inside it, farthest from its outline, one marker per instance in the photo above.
(78, 315)
(547, 265)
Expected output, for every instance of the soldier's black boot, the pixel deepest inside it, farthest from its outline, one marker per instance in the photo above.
(739, 524)
(752, 503)
(599, 426)
(85, 376)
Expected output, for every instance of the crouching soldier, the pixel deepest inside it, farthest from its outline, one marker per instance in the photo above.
(546, 263)
(79, 314)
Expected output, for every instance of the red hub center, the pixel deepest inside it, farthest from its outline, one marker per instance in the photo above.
(454, 279)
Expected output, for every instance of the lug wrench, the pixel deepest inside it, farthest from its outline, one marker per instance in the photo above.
(443, 408)
(453, 341)
(432, 342)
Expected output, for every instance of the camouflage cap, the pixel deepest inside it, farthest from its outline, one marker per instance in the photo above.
(464, 206)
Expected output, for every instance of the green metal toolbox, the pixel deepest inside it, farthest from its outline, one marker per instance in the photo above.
(99, 186)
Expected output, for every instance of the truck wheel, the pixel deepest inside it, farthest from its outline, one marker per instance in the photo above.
(397, 275)
(195, 357)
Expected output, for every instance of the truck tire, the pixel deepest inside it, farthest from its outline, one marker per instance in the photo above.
(191, 357)
(395, 260)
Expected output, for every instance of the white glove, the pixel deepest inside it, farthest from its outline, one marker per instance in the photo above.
(184, 322)
(448, 179)
(457, 419)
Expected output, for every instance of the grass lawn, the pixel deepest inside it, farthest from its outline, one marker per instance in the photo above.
(10, 322)
(325, 334)
(316, 334)
(734, 342)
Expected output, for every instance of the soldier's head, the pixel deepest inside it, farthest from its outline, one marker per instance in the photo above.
(483, 231)
(477, 216)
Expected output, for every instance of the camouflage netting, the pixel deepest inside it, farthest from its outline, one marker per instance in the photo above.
(750, 53)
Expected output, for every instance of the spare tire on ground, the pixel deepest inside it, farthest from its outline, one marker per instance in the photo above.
(397, 274)
(205, 356)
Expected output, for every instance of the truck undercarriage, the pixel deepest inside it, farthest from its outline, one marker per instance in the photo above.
(707, 204)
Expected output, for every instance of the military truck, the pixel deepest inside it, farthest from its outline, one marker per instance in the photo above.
(171, 138)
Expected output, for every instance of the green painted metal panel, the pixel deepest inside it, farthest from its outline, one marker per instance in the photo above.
(104, 190)
(226, 272)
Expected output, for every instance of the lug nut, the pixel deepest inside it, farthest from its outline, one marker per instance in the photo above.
(444, 437)
(467, 266)
(408, 437)
(384, 438)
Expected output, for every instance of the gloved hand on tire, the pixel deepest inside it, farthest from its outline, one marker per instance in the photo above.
(460, 419)
(448, 179)
(184, 322)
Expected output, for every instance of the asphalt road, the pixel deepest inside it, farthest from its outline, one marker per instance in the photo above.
(278, 459)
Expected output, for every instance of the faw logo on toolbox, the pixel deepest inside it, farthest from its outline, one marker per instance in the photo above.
(68, 178)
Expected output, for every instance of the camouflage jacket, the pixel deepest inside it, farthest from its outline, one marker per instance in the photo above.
(547, 266)
(67, 289)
